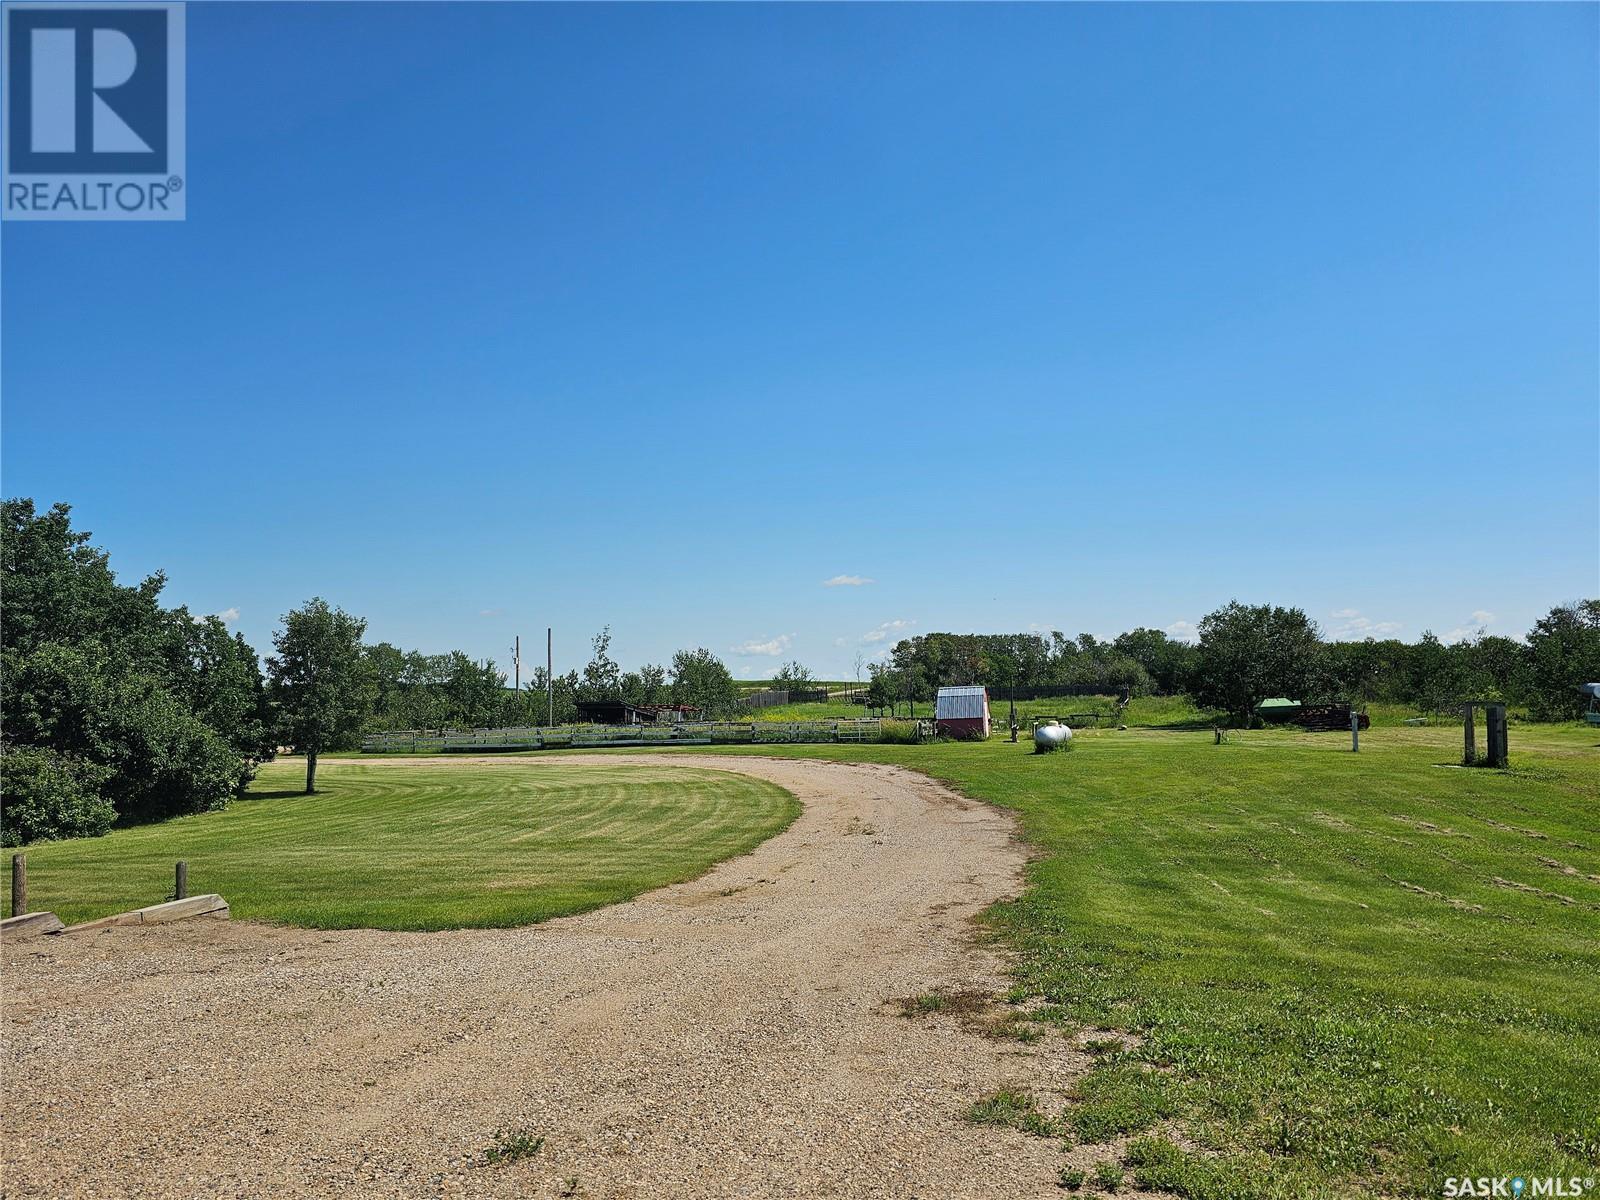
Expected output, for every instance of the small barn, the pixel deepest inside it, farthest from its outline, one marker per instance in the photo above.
(620, 712)
(962, 712)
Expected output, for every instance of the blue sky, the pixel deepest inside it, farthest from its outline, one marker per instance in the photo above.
(487, 318)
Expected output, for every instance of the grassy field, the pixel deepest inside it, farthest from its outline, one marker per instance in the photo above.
(1155, 711)
(424, 847)
(1349, 974)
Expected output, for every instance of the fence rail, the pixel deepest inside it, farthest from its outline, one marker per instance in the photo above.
(770, 697)
(687, 733)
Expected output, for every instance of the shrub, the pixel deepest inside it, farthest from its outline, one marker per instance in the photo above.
(50, 796)
(1107, 1176)
(899, 732)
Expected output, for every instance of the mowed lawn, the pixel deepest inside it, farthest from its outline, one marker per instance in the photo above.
(1352, 974)
(430, 845)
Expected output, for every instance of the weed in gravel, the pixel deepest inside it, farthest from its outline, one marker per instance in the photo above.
(1072, 1178)
(512, 1145)
(1014, 1027)
(1014, 1109)
(962, 1003)
(1107, 1176)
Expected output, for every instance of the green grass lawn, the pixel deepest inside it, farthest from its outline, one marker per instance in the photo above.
(1158, 711)
(423, 847)
(1352, 974)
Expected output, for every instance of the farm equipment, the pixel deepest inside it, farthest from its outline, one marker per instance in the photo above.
(1592, 690)
(1318, 718)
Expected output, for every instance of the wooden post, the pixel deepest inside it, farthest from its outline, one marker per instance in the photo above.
(1355, 732)
(1216, 734)
(180, 881)
(1495, 719)
(19, 884)
(1469, 752)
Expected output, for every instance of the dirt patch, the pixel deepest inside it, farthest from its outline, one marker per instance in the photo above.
(738, 1035)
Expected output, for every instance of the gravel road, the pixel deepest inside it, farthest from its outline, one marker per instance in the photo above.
(736, 1036)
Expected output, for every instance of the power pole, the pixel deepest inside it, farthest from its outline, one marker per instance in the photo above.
(516, 663)
(549, 678)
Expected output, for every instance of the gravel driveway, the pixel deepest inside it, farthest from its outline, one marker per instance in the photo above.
(734, 1036)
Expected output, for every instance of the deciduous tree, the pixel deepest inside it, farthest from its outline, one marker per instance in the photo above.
(319, 682)
(1563, 654)
(1248, 653)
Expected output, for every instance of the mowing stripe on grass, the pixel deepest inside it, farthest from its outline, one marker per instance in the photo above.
(424, 847)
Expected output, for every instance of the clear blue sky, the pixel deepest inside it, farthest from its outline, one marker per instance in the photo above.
(487, 318)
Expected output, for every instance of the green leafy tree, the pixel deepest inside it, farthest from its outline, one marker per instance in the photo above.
(127, 703)
(885, 688)
(602, 677)
(1495, 667)
(701, 679)
(792, 677)
(50, 795)
(1165, 660)
(1563, 655)
(536, 701)
(1248, 653)
(318, 680)
(647, 685)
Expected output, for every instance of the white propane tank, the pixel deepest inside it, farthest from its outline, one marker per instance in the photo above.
(1048, 737)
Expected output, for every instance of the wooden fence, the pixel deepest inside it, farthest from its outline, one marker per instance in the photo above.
(687, 733)
(771, 697)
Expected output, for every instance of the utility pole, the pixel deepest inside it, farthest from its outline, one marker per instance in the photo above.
(549, 678)
(516, 663)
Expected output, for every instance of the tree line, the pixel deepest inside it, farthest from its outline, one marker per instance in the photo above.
(118, 710)
(1247, 653)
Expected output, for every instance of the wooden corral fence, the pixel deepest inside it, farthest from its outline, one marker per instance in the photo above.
(687, 733)
(771, 697)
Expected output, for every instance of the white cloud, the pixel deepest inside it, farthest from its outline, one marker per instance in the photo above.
(1354, 625)
(490, 612)
(1477, 626)
(884, 630)
(228, 615)
(848, 581)
(1183, 631)
(771, 648)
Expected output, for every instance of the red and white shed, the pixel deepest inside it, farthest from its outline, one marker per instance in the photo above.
(962, 712)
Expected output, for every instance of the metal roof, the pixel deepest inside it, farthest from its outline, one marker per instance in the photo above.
(955, 703)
